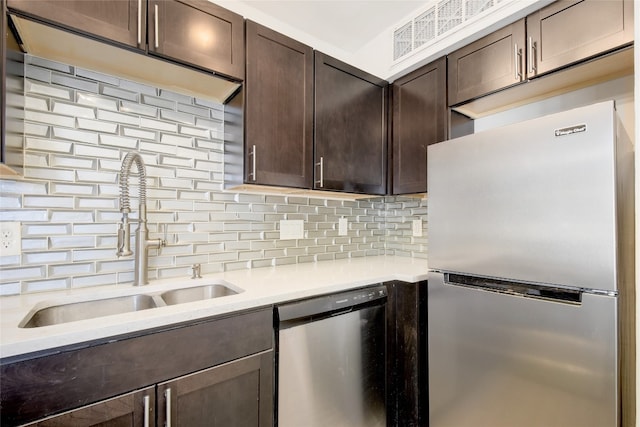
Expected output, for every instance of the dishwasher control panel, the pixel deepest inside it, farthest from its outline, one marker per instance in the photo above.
(332, 303)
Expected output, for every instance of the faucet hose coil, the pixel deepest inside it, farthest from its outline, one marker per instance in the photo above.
(125, 172)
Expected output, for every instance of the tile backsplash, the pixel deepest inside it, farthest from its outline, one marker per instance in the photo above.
(78, 127)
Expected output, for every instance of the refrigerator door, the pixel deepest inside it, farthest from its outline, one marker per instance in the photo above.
(502, 360)
(533, 201)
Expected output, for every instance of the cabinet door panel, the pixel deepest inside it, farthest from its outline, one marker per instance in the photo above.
(279, 109)
(489, 64)
(236, 394)
(419, 119)
(350, 128)
(199, 33)
(122, 411)
(3, 85)
(119, 21)
(569, 31)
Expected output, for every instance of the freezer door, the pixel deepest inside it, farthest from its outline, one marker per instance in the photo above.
(497, 359)
(534, 201)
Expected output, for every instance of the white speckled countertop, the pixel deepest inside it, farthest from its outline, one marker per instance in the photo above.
(262, 286)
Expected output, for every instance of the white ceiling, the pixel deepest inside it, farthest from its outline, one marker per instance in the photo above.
(348, 25)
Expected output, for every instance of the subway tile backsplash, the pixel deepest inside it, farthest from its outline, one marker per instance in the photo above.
(79, 124)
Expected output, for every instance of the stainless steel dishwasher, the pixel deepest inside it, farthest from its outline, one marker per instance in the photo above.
(331, 363)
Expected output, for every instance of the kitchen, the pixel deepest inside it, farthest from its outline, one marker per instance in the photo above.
(244, 225)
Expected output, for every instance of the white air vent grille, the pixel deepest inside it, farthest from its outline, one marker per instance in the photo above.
(449, 15)
(403, 40)
(425, 28)
(436, 20)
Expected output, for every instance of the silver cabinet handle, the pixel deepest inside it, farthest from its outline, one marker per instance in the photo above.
(254, 158)
(139, 22)
(167, 396)
(321, 164)
(517, 56)
(155, 17)
(532, 57)
(146, 401)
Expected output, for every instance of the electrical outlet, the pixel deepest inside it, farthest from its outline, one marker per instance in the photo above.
(291, 229)
(342, 226)
(417, 228)
(10, 238)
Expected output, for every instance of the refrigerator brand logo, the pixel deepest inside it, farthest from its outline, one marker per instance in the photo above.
(571, 130)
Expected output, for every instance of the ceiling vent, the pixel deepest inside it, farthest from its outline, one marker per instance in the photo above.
(439, 18)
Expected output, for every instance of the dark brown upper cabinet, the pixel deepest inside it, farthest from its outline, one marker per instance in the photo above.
(562, 34)
(350, 128)
(3, 85)
(192, 32)
(566, 32)
(419, 119)
(199, 33)
(493, 62)
(121, 21)
(278, 110)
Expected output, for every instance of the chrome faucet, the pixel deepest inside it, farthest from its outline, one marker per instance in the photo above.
(143, 244)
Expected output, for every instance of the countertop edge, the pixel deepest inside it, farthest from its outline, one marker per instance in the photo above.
(261, 287)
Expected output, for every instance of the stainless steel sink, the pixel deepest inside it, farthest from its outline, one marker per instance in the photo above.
(197, 293)
(83, 310)
(88, 310)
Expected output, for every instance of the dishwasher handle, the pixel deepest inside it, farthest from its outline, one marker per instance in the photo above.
(332, 304)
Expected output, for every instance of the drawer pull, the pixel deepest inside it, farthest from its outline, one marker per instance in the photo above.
(155, 17)
(320, 182)
(517, 59)
(167, 396)
(139, 22)
(533, 51)
(147, 408)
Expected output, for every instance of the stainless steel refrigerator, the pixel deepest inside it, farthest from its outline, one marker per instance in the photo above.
(531, 272)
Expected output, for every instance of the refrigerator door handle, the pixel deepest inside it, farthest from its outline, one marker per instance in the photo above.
(527, 290)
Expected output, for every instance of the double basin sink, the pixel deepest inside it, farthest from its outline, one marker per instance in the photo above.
(83, 310)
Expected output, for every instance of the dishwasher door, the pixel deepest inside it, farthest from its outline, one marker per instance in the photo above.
(332, 361)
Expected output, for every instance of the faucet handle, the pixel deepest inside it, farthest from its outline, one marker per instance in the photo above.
(162, 243)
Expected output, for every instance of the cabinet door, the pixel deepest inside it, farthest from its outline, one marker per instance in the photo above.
(569, 31)
(199, 33)
(279, 109)
(494, 62)
(235, 394)
(350, 128)
(3, 86)
(134, 409)
(419, 119)
(118, 21)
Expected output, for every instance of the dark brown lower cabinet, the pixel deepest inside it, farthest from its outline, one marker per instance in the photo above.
(129, 410)
(235, 394)
(230, 395)
(407, 382)
(213, 372)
